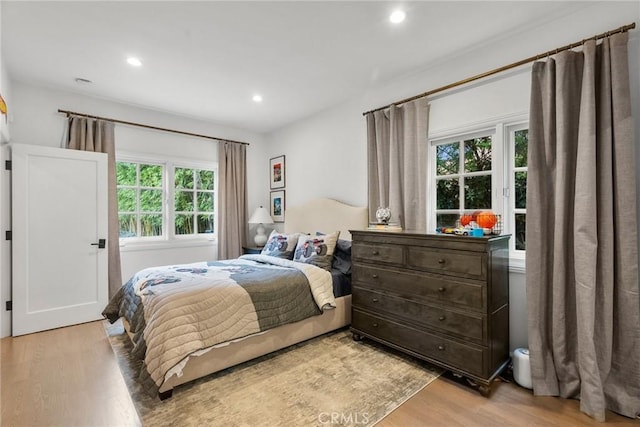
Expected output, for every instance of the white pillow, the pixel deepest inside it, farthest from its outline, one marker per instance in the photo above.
(281, 245)
(317, 250)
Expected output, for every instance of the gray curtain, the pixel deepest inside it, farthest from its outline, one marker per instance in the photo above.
(582, 261)
(397, 162)
(232, 199)
(88, 134)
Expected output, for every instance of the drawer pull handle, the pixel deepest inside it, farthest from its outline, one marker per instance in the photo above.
(375, 300)
(375, 276)
(441, 289)
(441, 347)
(441, 261)
(375, 253)
(375, 325)
(441, 318)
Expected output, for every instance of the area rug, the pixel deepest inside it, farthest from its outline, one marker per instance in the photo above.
(326, 381)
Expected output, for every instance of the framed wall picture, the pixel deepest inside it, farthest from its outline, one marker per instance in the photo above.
(277, 206)
(277, 172)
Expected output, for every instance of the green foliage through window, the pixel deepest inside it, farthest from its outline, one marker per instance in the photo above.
(193, 204)
(448, 192)
(141, 200)
(447, 159)
(463, 183)
(464, 179)
(520, 146)
(477, 192)
(140, 195)
(477, 154)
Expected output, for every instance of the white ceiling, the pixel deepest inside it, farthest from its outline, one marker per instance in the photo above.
(207, 59)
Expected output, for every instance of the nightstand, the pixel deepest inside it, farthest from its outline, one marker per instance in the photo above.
(251, 250)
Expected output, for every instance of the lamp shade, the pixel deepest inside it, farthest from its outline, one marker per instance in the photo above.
(261, 216)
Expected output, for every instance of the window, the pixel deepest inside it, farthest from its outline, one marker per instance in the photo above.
(164, 201)
(518, 141)
(464, 170)
(140, 196)
(482, 169)
(194, 201)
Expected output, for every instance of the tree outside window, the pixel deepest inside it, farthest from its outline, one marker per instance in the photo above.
(520, 141)
(152, 195)
(486, 170)
(140, 199)
(463, 181)
(194, 201)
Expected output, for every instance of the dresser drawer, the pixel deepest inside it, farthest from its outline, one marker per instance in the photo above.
(410, 285)
(451, 353)
(378, 253)
(468, 264)
(428, 315)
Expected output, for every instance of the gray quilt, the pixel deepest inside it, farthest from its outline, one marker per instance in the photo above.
(174, 311)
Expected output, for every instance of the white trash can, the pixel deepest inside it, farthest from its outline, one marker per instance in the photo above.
(522, 367)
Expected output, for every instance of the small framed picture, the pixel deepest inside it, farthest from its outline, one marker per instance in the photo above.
(277, 172)
(277, 206)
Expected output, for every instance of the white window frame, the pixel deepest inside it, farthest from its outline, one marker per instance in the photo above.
(512, 169)
(503, 131)
(169, 238)
(137, 211)
(495, 172)
(171, 205)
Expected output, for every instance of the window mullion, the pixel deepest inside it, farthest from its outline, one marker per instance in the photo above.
(195, 202)
(138, 206)
(498, 172)
(461, 171)
(512, 192)
(170, 201)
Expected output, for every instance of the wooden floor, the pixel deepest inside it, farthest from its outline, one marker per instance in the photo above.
(63, 377)
(446, 402)
(70, 377)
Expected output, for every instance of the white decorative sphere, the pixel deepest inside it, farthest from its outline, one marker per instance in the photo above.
(383, 215)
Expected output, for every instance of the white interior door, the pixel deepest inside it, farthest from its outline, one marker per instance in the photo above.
(59, 215)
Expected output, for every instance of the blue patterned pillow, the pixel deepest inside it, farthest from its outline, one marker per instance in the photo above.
(281, 245)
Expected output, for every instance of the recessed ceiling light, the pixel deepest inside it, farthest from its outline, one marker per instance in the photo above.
(134, 61)
(397, 16)
(257, 98)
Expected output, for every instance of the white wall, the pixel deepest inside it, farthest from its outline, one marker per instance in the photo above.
(324, 157)
(36, 121)
(326, 153)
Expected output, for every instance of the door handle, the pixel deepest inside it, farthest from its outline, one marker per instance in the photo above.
(102, 243)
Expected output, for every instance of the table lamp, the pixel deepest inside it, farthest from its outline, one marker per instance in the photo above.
(260, 216)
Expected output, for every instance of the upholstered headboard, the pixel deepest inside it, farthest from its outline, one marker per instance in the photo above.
(325, 215)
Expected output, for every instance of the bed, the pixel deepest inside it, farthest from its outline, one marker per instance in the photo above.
(323, 215)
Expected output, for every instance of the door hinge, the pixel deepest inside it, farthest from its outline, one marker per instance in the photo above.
(8, 235)
(9, 305)
(7, 165)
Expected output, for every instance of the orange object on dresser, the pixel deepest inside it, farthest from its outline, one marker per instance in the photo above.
(466, 219)
(486, 219)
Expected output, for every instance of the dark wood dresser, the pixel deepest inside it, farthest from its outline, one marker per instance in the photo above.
(442, 298)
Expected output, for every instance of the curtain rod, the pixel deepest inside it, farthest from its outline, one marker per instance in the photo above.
(72, 113)
(622, 29)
